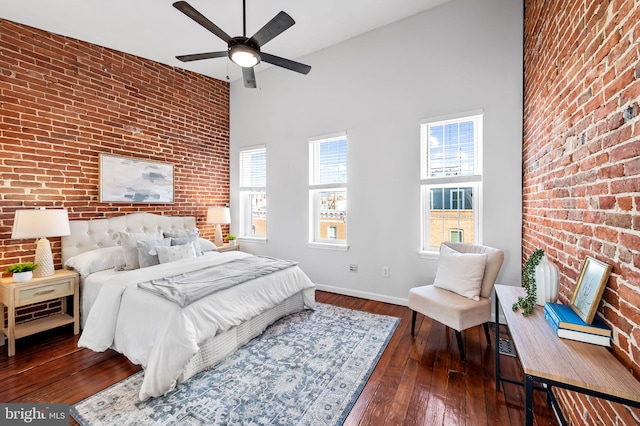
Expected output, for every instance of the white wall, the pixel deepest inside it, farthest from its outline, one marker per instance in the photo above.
(461, 56)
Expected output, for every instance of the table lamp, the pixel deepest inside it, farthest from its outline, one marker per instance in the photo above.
(41, 223)
(218, 216)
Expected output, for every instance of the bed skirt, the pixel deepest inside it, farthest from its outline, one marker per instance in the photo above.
(216, 348)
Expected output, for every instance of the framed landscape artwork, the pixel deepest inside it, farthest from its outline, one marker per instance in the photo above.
(134, 180)
(591, 283)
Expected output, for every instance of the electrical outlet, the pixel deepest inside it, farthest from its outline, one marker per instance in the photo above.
(353, 267)
(385, 271)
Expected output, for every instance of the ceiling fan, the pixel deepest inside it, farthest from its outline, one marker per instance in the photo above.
(241, 50)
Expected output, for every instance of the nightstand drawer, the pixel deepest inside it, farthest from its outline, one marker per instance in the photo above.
(35, 294)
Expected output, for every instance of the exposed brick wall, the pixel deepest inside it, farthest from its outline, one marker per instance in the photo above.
(64, 101)
(581, 163)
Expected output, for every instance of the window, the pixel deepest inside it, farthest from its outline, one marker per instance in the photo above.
(328, 190)
(253, 192)
(456, 235)
(451, 178)
(332, 232)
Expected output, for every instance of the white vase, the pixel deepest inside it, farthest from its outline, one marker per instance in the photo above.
(22, 277)
(546, 282)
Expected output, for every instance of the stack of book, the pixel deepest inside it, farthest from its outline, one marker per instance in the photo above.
(568, 325)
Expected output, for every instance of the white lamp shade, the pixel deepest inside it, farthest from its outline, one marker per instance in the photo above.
(218, 215)
(40, 223)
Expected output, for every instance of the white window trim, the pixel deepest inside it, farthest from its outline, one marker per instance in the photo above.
(471, 180)
(245, 222)
(314, 192)
(252, 239)
(328, 246)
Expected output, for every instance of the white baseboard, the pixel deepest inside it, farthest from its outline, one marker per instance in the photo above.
(363, 294)
(380, 297)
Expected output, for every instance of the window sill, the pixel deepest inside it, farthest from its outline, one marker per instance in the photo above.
(329, 246)
(429, 255)
(257, 240)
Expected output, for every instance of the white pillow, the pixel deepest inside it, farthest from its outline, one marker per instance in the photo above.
(147, 255)
(206, 245)
(187, 240)
(181, 233)
(128, 242)
(173, 253)
(460, 273)
(95, 260)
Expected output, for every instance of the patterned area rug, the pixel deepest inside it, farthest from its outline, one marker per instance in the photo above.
(305, 369)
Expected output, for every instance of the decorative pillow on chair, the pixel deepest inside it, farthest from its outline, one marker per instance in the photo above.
(173, 253)
(460, 273)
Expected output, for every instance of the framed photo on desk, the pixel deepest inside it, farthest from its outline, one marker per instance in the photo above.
(588, 292)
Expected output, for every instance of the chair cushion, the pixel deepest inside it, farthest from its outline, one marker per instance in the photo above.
(449, 308)
(460, 272)
(495, 257)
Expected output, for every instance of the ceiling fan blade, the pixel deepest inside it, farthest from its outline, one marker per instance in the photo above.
(198, 56)
(285, 63)
(249, 77)
(273, 28)
(188, 10)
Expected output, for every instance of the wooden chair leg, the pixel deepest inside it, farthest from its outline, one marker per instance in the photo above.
(486, 333)
(460, 345)
(413, 322)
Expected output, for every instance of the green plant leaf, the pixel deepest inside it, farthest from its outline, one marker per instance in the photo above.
(529, 283)
(22, 267)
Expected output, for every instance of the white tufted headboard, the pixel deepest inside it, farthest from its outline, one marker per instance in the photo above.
(98, 233)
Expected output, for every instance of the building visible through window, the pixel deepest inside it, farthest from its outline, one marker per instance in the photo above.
(451, 177)
(327, 189)
(253, 192)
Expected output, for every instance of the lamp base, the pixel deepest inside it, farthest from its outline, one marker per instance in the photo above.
(218, 238)
(44, 259)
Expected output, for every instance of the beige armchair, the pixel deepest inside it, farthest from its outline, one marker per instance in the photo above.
(465, 272)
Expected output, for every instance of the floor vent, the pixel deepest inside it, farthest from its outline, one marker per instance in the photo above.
(506, 347)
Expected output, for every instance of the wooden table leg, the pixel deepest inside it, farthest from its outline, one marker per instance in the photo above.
(11, 328)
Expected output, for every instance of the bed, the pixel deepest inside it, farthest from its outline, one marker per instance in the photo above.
(171, 342)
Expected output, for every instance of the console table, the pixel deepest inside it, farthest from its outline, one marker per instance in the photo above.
(553, 361)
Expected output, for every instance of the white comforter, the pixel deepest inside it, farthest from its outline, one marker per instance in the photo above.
(161, 336)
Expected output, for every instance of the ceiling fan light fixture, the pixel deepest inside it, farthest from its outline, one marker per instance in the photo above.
(244, 56)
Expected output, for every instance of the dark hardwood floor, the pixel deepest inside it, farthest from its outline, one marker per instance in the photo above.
(418, 381)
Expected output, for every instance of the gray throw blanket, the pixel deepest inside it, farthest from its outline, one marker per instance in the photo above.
(186, 288)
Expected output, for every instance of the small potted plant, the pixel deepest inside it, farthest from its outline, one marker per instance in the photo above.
(529, 283)
(232, 239)
(22, 272)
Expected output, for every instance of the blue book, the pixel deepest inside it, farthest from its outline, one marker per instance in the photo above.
(567, 319)
(576, 335)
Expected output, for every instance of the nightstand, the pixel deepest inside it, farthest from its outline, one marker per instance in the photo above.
(228, 247)
(62, 284)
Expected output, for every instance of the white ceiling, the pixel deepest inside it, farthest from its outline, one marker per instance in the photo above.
(155, 30)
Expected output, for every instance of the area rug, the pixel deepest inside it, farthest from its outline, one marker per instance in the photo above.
(305, 369)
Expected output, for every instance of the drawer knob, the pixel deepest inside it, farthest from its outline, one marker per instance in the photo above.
(40, 293)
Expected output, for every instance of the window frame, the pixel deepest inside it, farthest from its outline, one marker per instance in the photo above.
(452, 180)
(316, 188)
(245, 196)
